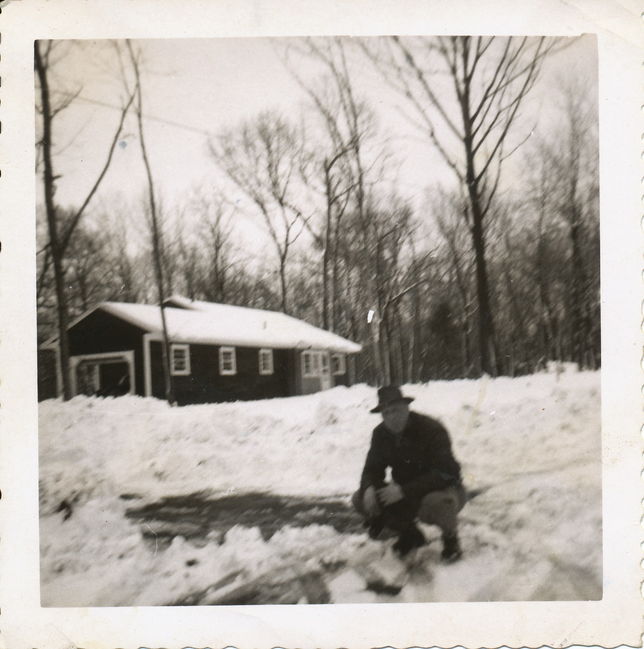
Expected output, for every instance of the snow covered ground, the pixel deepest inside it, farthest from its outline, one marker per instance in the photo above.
(531, 445)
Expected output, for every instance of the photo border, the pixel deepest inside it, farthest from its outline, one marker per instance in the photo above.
(616, 619)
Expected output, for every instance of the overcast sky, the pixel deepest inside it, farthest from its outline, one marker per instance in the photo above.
(198, 86)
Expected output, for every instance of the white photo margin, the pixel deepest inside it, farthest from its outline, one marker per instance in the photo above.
(614, 620)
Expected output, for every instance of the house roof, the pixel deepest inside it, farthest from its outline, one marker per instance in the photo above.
(223, 324)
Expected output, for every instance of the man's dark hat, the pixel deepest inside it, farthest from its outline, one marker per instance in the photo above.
(389, 394)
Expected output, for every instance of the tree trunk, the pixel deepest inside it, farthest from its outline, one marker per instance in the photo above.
(577, 297)
(325, 254)
(515, 307)
(415, 347)
(401, 364)
(50, 209)
(487, 347)
(383, 353)
(156, 236)
(283, 287)
(63, 323)
(335, 315)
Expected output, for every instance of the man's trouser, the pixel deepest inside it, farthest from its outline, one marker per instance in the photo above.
(439, 508)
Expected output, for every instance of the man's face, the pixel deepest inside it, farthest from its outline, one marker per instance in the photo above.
(395, 416)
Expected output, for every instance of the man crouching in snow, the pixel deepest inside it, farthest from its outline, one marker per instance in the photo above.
(426, 479)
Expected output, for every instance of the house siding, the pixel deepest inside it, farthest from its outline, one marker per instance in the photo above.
(101, 332)
(47, 374)
(341, 379)
(205, 384)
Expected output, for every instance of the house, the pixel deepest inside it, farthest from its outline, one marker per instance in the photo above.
(218, 352)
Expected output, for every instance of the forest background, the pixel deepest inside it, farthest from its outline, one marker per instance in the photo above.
(435, 199)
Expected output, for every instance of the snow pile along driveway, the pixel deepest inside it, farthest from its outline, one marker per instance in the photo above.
(530, 446)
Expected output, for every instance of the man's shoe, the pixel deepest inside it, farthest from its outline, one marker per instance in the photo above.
(410, 539)
(375, 525)
(451, 549)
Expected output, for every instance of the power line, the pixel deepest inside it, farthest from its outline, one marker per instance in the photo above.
(152, 118)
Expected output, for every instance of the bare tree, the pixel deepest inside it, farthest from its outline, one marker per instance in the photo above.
(353, 163)
(59, 237)
(154, 222)
(469, 124)
(97, 266)
(375, 250)
(516, 297)
(87, 268)
(215, 217)
(263, 157)
(447, 209)
(340, 170)
(573, 190)
(128, 266)
(541, 225)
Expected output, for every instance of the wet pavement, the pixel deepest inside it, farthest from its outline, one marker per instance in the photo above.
(195, 516)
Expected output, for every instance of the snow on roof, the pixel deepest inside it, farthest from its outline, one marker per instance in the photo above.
(224, 324)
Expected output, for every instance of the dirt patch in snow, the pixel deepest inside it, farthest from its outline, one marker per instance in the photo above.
(198, 515)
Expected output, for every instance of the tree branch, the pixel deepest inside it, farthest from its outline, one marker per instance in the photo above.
(75, 219)
(422, 80)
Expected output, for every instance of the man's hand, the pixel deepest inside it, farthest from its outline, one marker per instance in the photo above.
(390, 494)
(370, 502)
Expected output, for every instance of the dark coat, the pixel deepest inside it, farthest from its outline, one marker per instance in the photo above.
(421, 458)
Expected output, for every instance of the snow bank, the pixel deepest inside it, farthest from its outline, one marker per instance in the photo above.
(142, 446)
(531, 444)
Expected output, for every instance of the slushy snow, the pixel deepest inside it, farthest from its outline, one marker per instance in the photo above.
(530, 445)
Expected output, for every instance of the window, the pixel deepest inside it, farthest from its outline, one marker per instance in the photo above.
(179, 360)
(338, 364)
(308, 364)
(314, 363)
(265, 361)
(227, 361)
